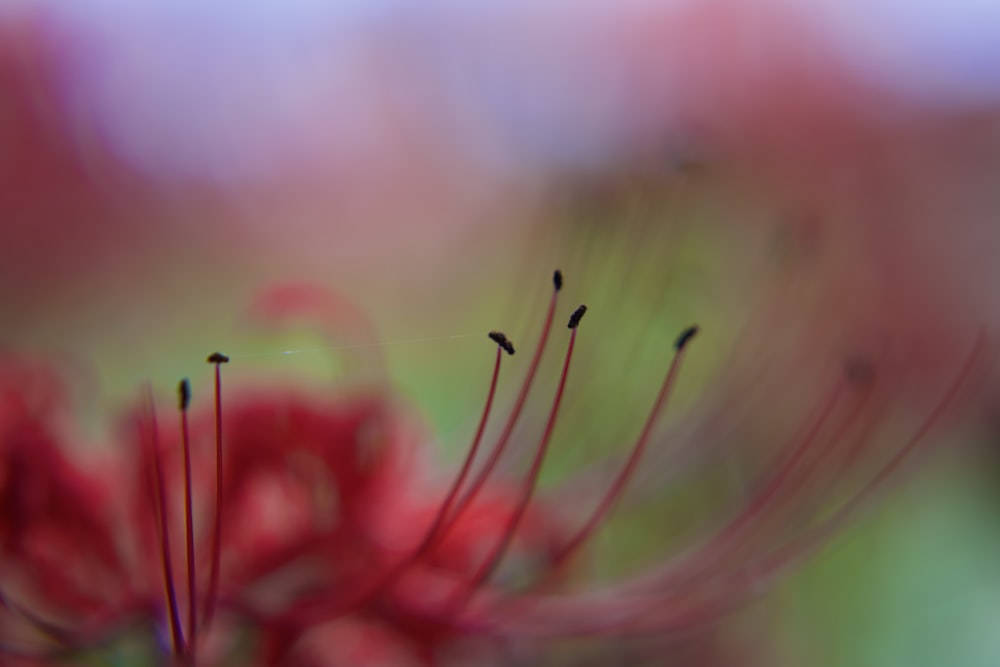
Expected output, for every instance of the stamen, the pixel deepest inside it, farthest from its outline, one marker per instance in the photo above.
(706, 556)
(502, 340)
(860, 376)
(218, 359)
(184, 395)
(798, 451)
(935, 416)
(490, 564)
(685, 338)
(503, 345)
(501, 444)
(387, 579)
(818, 533)
(743, 528)
(592, 525)
(150, 436)
(442, 522)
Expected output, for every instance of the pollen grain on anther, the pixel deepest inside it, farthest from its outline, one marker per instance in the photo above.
(502, 340)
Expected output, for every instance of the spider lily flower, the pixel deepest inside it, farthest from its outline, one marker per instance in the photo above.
(303, 525)
(331, 546)
(313, 499)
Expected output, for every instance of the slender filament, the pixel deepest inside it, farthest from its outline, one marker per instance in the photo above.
(213, 578)
(188, 518)
(641, 443)
(512, 419)
(490, 564)
(369, 591)
(152, 439)
(467, 464)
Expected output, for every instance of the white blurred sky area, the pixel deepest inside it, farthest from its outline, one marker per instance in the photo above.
(235, 91)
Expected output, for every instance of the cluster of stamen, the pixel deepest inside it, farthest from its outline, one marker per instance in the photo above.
(184, 643)
(457, 502)
(796, 467)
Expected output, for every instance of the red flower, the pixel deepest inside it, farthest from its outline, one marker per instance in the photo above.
(51, 506)
(304, 523)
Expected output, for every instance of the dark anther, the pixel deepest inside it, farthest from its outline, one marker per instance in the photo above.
(184, 394)
(502, 340)
(218, 358)
(557, 279)
(574, 319)
(859, 371)
(685, 337)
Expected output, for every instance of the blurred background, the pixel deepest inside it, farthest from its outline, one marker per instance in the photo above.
(805, 180)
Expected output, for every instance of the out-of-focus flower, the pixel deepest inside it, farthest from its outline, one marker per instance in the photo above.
(326, 544)
(319, 501)
(171, 120)
(851, 176)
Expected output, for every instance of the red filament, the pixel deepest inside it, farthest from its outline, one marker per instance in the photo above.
(490, 564)
(618, 486)
(185, 397)
(515, 414)
(151, 437)
(217, 359)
